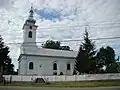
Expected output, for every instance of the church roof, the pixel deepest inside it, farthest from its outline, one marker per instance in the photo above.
(61, 53)
(51, 52)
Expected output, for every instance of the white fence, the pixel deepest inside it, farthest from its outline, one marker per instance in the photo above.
(88, 77)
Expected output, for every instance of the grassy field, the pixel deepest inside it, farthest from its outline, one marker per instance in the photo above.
(70, 84)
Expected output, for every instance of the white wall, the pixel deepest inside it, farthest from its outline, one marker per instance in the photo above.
(46, 63)
(26, 78)
(26, 31)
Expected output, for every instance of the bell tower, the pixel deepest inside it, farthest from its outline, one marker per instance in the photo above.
(29, 45)
(29, 30)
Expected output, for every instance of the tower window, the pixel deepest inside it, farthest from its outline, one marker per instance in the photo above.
(54, 66)
(30, 27)
(31, 65)
(68, 66)
(30, 34)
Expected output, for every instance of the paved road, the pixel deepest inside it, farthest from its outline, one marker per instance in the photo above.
(40, 88)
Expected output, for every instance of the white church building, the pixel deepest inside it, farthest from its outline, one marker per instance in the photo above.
(42, 61)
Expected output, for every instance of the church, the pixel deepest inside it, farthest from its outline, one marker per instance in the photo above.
(42, 61)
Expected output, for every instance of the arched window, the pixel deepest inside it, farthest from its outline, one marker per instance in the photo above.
(30, 34)
(54, 66)
(68, 66)
(31, 65)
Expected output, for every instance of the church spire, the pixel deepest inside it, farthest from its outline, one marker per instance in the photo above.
(31, 13)
(31, 16)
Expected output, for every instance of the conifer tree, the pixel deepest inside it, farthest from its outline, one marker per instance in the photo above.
(6, 67)
(86, 59)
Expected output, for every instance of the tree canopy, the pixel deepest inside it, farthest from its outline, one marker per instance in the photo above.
(50, 44)
(106, 58)
(113, 68)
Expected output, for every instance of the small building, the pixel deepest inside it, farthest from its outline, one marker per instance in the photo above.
(42, 61)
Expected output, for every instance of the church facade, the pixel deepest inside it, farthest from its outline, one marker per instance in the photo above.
(42, 61)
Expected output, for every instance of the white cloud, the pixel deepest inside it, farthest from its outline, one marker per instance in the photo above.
(6, 4)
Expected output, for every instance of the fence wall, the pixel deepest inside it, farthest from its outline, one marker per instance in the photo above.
(22, 78)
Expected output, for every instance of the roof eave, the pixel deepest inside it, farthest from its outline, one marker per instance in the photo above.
(50, 56)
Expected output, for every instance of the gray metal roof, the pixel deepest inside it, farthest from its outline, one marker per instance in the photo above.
(53, 52)
(49, 52)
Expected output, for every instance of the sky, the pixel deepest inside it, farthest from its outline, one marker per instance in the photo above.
(61, 20)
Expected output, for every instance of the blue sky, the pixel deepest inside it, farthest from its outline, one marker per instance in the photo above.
(61, 20)
(48, 14)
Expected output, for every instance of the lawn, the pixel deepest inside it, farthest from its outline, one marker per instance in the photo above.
(70, 84)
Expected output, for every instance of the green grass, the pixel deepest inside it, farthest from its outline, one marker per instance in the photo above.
(70, 84)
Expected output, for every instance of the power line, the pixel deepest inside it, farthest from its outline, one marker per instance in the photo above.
(94, 39)
(72, 40)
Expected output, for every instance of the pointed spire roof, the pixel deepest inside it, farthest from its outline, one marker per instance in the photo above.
(30, 20)
(31, 12)
(31, 15)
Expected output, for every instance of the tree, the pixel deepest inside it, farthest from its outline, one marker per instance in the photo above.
(6, 67)
(86, 60)
(80, 63)
(106, 58)
(74, 72)
(113, 68)
(54, 45)
(118, 63)
(51, 44)
(109, 56)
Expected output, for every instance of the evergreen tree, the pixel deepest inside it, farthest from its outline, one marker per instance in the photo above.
(86, 59)
(74, 72)
(80, 63)
(6, 67)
